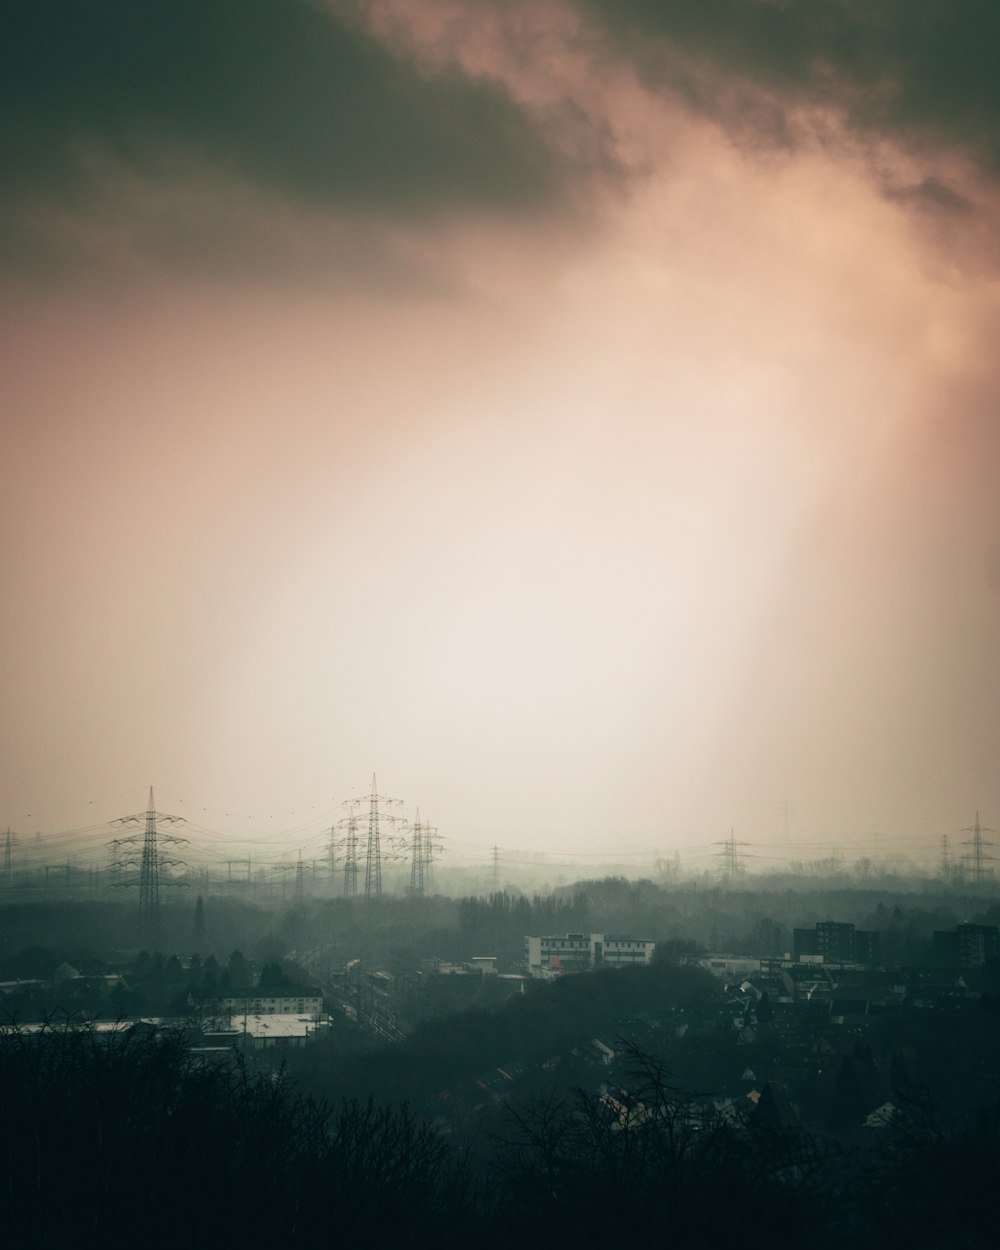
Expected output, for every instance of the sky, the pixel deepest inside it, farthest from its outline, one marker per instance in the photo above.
(583, 415)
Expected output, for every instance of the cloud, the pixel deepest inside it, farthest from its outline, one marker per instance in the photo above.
(300, 137)
(932, 195)
(284, 99)
(924, 75)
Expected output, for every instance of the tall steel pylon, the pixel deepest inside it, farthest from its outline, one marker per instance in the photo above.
(345, 839)
(150, 860)
(732, 859)
(8, 842)
(149, 872)
(382, 818)
(944, 870)
(422, 847)
(373, 859)
(977, 857)
(351, 858)
(300, 882)
(417, 858)
(389, 838)
(331, 854)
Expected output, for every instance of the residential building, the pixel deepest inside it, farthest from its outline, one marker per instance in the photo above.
(276, 1002)
(967, 945)
(833, 942)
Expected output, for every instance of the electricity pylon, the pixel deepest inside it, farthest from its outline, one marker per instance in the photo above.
(945, 870)
(380, 812)
(149, 860)
(495, 861)
(731, 858)
(8, 842)
(345, 838)
(422, 848)
(977, 857)
(373, 858)
(300, 883)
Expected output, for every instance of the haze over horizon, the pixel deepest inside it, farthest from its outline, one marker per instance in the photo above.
(585, 415)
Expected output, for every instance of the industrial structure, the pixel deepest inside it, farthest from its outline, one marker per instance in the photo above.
(977, 856)
(150, 859)
(732, 859)
(384, 818)
(8, 843)
(423, 847)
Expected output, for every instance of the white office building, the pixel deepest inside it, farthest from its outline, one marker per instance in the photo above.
(581, 952)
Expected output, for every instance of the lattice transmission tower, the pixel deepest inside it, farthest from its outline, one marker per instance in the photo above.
(732, 859)
(150, 859)
(345, 839)
(944, 864)
(423, 847)
(978, 856)
(385, 821)
(7, 874)
(300, 883)
(495, 869)
(384, 815)
(373, 855)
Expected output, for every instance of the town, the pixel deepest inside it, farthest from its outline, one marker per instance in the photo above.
(475, 1014)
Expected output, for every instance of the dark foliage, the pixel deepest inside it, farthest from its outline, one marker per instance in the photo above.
(634, 1164)
(113, 1139)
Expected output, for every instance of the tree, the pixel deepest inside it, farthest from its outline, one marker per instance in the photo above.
(274, 977)
(238, 973)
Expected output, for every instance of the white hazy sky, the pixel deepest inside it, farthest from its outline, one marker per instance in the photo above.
(589, 426)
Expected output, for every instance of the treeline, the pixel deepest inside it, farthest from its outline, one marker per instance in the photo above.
(748, 918)
(114, 1140)
(150, 984)
(742, 918)
(398, 932)
(500, 922)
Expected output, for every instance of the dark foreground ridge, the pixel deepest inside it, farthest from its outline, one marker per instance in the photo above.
(125, 1138)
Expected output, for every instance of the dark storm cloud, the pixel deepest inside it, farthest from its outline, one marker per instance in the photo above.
(921, 71)
(281, 94)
